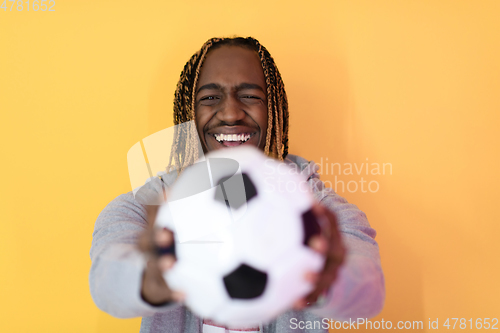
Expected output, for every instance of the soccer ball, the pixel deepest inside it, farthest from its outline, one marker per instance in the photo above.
(242, 222)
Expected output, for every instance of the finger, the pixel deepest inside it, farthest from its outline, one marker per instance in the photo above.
(325, 280)
(319, 244)
(178, 296)
(320, 284)
(318, 208)
(312, 298)
(321, 287)
(164, 237)
(299, 304)
(312, 277)
(166, 262)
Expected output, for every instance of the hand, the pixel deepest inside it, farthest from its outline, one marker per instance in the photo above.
(330, 245)
(154, 289)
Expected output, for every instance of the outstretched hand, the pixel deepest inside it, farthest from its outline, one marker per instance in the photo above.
(154, 289)
(329, 244)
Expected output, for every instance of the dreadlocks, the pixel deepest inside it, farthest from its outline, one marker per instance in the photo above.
(185, 146)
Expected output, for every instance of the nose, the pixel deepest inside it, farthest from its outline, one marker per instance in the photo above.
(231, 110)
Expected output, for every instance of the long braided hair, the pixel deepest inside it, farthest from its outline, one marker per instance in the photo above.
(185, 148)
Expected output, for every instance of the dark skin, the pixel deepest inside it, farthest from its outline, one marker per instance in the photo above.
(154, 289)
(231, 100)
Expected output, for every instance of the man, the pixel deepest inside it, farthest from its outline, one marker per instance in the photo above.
(233, 91)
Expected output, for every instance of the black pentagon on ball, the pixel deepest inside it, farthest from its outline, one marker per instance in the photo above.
(245, 282)
(250, 190)
(229, 190)
(310, 225)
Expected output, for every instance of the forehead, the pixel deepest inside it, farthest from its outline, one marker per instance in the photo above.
(232, 65)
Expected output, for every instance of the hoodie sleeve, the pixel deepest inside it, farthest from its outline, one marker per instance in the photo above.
(117, 265)
(359, 290)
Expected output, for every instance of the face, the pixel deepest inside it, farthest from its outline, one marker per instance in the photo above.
(231, 99)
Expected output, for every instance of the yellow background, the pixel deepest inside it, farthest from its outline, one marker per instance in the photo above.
(411, 83)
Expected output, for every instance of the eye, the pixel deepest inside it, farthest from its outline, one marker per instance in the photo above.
(250, 99)
(209, 100)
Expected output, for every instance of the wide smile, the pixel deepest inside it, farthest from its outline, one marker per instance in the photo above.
(233, 139)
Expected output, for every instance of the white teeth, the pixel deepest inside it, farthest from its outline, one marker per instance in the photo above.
(232, 137)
